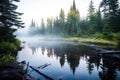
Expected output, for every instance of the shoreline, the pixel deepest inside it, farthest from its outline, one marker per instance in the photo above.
(83, 40)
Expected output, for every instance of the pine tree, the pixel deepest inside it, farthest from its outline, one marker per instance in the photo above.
(92, 17)
(33, 24)
(74, 5)
(62, 20)
(110, 9)
(99, 27)
(62, 15)
(56, 26)
(73, 18)
(9, 20)
(91, 8)
(49, 25)
(42, 26)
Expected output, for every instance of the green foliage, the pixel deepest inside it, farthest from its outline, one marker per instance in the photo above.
(111, 11)
(9, 47)
(61, 21)
(101, 23)
(72, 22)
(97, 35)
(116, 36)
(92, 23)
(17, 43)
(9, 18)
(108, 35)
(49, 25)
(73, 19)
(62, 15)
(79, 34)
(91, 8)
(94, 19)
(42, 31)
(84, 26)
(5, 59)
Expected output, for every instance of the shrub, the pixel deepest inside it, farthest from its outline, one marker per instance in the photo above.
(9, 47)
(5, 59)
(108, 35)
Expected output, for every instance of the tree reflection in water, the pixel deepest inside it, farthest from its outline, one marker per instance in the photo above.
(107, 67)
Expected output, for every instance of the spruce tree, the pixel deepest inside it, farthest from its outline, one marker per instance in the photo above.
(62, 15)
(92, 17)
(9, 20)
(111, 8)
(73, 19)
(91, 8)
(42, 26)
(62, 20)
(33, 24)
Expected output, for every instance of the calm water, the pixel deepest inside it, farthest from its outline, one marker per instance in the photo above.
(69, 61)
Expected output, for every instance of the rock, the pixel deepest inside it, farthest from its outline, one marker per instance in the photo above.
(10, 74)
(11, 71)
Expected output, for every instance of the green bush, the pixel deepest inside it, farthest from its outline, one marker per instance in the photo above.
(108, 35)
(79, 34)
(117, 36)
(7, 59)
(17, 43)
(9, 47)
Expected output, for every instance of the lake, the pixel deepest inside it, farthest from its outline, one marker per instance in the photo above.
(67, 60)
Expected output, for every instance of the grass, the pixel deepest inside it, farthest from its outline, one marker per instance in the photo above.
(98, 38)
(90, 40)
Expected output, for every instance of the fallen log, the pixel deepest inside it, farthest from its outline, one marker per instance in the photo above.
(110, 52)
(27, 67)
(49, 78)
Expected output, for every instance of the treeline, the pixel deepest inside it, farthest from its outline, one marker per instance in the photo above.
(104, 20)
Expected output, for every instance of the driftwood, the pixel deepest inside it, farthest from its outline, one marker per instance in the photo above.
(110, 54)
(43, 66)
(49, 78)
(27, 67)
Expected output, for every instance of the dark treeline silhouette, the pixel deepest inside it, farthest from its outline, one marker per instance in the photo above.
(104, 20)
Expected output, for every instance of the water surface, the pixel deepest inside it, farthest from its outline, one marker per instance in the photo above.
(69, 61)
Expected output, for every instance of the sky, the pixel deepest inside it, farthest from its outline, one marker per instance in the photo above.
(38, 9)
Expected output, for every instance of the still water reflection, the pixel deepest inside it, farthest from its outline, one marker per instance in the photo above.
(69, 61)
